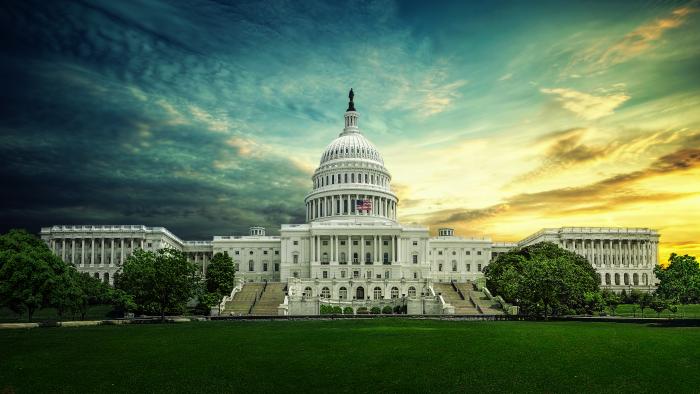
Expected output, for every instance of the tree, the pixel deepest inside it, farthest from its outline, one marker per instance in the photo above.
(680, 279)
(658, 304)
(542, 279)
(161, 281)
(92, 292)
(594, 302)
(219, 280)
(644, 301)
(611, 299)
(28, 274)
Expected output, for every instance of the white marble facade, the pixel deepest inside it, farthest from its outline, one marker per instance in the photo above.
(352, 244)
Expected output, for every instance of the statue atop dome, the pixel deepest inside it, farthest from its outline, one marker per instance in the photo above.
(351, 104)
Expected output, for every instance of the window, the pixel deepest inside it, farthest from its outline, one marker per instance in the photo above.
(411, 291)
(295, 274)
(238, 252)
(454, 266)
(342, 243)
(386, 258)
(296, 242)
(355, 259)
(325, 274)
(295, 259)
(277, 267)
(478, 267)
(415, 243)
(454, 253)
(415, 275)
(251, 266)
(386, 243)
(343, 274)
(617, 279)
(415, 258)
(307, 292)
(150, 244)
(377, 293)
(607, 279)
(645, 279)
(468, 253)
(478, 253)
(440, 252)
(394, 292)
(469, 267)
(627, 279)
(367, 243)
(440, 267)
(325, 243)
(343, 260)
(265, 267)
(368, 257)
(264, 251)
(343, 293)
(251, 252)
(356, 274)
(106, 277)
(354, 243)
(387, 275)
(277, 252)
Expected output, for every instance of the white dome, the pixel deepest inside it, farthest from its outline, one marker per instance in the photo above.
(352, 145)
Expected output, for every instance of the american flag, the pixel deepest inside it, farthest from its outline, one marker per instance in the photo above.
(363, 205)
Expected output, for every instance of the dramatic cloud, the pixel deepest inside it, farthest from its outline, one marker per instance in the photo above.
(588, 106)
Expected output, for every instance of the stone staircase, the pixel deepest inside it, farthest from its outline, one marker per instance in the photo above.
(271, 298)
(462, 307)
(488, 307)
(243, 300)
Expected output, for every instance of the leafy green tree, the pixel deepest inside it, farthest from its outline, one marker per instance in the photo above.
(611, 299)
(161, 281)
(66, 294)
(28, 272)
(220, 275)
(92, 292)
(658, 304)
(680, 279)
(542, 279)
(644, 301)
(594, 302)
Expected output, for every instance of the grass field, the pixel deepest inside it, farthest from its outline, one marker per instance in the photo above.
(691, 311)
(97, 312)
(385, 355)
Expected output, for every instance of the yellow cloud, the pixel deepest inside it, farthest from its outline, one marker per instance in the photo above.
(587, 106)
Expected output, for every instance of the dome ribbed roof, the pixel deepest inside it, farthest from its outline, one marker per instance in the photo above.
(351, 146)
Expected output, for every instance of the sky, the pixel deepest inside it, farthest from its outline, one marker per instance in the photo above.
(495, 118)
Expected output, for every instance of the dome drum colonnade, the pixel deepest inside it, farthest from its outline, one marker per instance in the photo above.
(351, 173)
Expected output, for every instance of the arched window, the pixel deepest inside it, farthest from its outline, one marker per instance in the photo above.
(386, 257)
(97, 275)
(308, 292)
(325, 293)
(627, 279)
(343, 293)
(355, 259)
(360, 293)
(635, 279)
(394, 292)
(377, 293)
(368, 257)
(251, 265)
(105, 277)
(607, 279)
(617, 279)
(411, 291)
(600, 279)
(645, 279)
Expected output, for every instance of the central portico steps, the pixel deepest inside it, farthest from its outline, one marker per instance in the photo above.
(256, 299)
(472, 298)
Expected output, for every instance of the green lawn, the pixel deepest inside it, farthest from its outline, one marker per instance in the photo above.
(684, 311)
(385, 355)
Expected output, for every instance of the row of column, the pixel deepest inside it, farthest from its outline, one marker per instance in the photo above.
(334, 243)
(73, 243)
(614, 251)
(345, 205)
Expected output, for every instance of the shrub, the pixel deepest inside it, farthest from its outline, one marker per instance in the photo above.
(348, 310)
(387, 310)
(326, 309)
(337, 310)
(362, 310)
(397, 309)
(404, 309)
(375, 310)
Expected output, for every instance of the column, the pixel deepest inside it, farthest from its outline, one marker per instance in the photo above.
(72, 251)
(349, 249)
(92, 251)
(375, 241)
(362, 248)
(337, 245)
(142, 242)
(398, 248)
(82, 252)
(393, 255)
(102, 251)
(312, 248)
(121, 259)
(331, 243)
(111, 251)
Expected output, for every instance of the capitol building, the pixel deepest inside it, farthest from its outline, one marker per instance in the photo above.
(353, 252)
